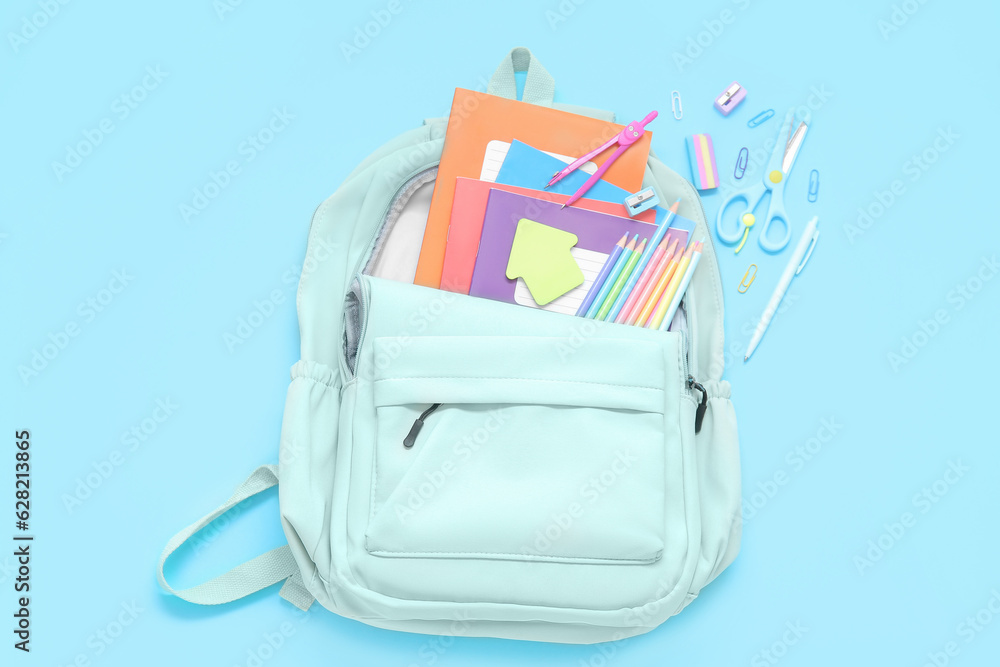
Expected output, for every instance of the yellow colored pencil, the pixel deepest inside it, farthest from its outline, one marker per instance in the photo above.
(647, 289)
(661, 286)
(668, 295)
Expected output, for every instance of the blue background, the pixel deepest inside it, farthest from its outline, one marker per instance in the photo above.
(826, 356)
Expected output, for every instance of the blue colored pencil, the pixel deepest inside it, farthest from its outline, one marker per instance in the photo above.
(609, 281)
(643, 261)
(595, 286)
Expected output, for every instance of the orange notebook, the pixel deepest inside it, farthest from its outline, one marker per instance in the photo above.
(468, 212)
(478, 118)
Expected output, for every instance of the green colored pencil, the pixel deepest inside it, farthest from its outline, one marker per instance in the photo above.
(620, 282)
(609, 281)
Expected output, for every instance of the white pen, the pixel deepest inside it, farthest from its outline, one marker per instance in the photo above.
(803, 251)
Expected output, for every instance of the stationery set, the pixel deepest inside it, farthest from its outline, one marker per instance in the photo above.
(544, 208)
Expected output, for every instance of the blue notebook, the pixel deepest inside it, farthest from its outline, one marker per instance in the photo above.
(529, 167)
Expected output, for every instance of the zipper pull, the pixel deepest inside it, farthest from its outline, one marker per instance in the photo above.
(699, 414)
(411, 437)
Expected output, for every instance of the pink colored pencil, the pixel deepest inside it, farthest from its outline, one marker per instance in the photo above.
(654, 278)
(661, 285)
(647, 275)
(663, 303)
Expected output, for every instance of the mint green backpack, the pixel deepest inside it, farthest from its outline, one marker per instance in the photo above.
(455, 465)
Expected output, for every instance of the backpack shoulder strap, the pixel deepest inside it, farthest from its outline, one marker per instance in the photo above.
(258, 573)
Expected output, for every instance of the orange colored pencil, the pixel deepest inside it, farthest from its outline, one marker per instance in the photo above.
(661, 285)
(650, 285)
(668, 295)
(633, 302)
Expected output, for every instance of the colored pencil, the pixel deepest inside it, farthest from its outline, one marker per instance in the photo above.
(668, 294)
(661, 285)
(685, 281)
(623, 277)
(643, 264)
(602, 275)
(611, 277)
(642, 289)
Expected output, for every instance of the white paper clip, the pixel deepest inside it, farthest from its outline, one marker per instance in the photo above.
(675, 104)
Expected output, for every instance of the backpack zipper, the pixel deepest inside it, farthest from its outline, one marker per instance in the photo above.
(411, 437)
(692, 384)
(358, 269)
(699, 414)
(685, 300)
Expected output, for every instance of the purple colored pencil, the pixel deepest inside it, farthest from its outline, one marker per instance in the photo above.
(595, 287)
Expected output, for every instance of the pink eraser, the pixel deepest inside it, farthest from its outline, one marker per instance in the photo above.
(701, 156)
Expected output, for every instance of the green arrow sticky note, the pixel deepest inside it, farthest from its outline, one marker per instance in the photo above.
(541, 256)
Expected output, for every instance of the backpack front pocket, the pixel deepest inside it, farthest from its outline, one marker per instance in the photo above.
(518, 448)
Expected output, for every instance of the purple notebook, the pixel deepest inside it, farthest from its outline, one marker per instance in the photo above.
(598, 232)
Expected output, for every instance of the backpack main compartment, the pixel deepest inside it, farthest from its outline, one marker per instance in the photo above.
(558, 491)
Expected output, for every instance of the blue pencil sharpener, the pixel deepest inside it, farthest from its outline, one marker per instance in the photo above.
(643, 200)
